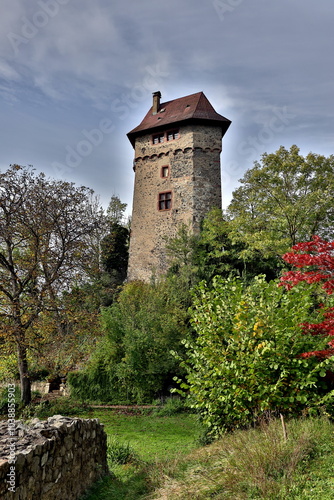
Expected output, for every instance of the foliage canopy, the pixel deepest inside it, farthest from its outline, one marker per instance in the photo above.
(284, 199)
(45, 247)
(133, 363)
(315, 263)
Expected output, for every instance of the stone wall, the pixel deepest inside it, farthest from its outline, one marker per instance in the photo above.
(53, 460)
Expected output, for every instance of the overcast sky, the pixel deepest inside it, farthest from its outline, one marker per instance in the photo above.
(77, 75)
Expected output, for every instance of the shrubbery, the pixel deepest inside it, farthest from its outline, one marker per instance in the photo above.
(243, 361)
(133, 363)
(4, 399)
(59, 406)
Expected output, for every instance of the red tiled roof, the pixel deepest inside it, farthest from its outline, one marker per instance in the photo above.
(194, 108)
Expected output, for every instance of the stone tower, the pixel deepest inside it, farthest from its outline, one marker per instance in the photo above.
(177, 176)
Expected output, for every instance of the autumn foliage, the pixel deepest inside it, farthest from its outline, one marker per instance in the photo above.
(314, 261)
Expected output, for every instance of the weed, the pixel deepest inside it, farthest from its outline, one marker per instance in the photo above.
(120, 453)
(250, 464)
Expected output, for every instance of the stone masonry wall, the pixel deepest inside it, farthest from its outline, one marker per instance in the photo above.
(195, 183)
(54, 460)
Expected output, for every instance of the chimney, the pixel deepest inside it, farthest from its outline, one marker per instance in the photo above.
(156, 102)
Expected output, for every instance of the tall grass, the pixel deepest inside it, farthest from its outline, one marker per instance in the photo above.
(253, 464)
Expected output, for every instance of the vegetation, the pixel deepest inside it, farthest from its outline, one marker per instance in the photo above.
(151, 440)
(284, 199)
(120, 453)
(114, 250)
(213, 252)
(224, 328)
(44, 249)
(249, 464)
(133, 363)
(4, 400)
(255, 464)
(244, 360)
(316, 260)
(46, 408)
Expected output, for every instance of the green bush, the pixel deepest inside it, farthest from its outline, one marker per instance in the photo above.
(244, 361)
(133, 362)
(8, 366)
(61, 406)
(98, 382)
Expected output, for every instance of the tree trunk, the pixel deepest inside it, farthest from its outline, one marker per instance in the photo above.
(24, 375)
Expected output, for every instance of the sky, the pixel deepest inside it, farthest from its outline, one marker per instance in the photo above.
(77, 75)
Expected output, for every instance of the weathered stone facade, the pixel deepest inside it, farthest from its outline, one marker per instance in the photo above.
(188, 169)
(53, 460)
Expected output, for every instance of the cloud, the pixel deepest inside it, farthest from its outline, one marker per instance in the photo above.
(7, 72)
(87, 61)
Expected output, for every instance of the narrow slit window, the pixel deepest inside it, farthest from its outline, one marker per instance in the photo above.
(165, 201)
(165, 171)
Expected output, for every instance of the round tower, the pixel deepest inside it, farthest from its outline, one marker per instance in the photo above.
(177, 176)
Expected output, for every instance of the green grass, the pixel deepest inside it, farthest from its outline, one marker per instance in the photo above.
(319, 477)
(247, 465)
(258, 464)
(154, 439)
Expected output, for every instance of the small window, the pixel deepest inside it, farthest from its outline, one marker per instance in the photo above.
(165, 201)
(173, 134)
(158, 138)
(165, 171)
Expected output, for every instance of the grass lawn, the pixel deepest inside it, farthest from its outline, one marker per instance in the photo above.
(154, 439)
(162, 458)
(246, 465)
(151, 437)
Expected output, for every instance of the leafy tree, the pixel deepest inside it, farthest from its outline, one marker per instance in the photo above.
(217, 254)
(115, 211)
(284, 199)
(315, 261)
(181, 254)
(212, 252)
(68, 342)
(133, 361)
(115, 253)
(243, 362)
(44, 248)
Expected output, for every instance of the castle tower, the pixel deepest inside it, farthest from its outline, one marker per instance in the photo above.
(177, 176)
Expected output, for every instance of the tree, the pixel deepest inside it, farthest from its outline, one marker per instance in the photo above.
(115, 210)
(217, 254)
(44, 248)
(315, 261)
(181, 255)
(133, 362)
(115, 252)
(212, 252)
(285, 199)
